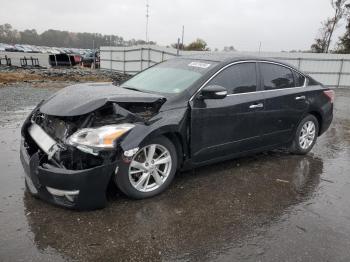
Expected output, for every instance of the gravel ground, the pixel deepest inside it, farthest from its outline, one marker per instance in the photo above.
(269, 207)
(40, 77)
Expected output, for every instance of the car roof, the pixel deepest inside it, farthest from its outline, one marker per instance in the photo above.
(227, 57)
(230, 57)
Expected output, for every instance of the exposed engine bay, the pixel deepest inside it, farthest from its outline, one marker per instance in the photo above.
(59, 128)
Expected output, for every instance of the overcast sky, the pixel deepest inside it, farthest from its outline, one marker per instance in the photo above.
(278, 24)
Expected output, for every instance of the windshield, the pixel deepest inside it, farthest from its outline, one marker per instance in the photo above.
(173, 76)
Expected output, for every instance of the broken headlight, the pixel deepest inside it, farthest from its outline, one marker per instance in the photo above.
(98, 138)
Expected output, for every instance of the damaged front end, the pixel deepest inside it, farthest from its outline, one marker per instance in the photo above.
(69, 160)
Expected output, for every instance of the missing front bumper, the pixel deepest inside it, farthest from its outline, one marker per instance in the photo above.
(91, 183)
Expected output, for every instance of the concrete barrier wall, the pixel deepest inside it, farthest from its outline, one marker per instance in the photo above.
(16, 56)
(330, 69)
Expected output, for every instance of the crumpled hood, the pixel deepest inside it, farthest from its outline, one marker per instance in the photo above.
(84, 98)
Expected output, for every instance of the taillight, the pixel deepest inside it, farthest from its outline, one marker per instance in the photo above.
(330, 94)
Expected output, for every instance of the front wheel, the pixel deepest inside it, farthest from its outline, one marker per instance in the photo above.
(305, 136)
(150, 171)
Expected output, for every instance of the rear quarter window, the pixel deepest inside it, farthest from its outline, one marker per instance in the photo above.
(312, 82)
(276, 76)
(299, 79)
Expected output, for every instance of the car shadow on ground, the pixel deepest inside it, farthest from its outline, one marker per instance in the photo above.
(203, 212)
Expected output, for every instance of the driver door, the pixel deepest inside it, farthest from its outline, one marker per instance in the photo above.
(228, 126)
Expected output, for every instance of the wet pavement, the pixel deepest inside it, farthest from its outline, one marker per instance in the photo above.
(269, 207)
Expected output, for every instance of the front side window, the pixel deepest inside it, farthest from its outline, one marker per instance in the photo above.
(239, 78)
(276, 76)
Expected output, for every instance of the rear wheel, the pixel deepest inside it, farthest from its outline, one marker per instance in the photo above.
(150, 171)
(305, 136)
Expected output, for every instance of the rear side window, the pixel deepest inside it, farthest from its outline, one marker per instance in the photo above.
(299, 79)
(276, 77)
(239, 78)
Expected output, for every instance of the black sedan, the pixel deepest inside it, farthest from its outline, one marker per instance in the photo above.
(179, 114)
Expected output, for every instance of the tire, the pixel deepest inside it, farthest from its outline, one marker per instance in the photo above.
(141, 181)
(298, 146)
(27, 189)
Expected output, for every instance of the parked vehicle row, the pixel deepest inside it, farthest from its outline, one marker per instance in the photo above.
(42, 49)
(86, 60)
(89, 58)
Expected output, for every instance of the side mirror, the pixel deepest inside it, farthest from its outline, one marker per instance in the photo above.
(213, 92)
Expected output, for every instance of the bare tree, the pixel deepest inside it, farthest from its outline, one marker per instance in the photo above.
(323, 42)
(339, 7)
(343, 45)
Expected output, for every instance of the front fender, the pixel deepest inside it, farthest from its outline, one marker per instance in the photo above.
(171, 121)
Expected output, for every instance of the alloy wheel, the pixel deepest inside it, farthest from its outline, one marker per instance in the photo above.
(307, 135)
(150, 167)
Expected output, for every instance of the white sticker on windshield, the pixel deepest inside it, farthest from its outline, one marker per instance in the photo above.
(198, 64)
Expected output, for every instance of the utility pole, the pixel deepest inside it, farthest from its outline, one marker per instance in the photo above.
(178, 46)
(94, 54)
(259, 47)
(147, 17)
(182, 38)
(110, 48)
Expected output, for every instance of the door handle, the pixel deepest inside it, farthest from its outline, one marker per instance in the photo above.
(300, 98)
(260, 105)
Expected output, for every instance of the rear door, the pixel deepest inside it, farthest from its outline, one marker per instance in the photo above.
(285, 102)
(223, 127)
